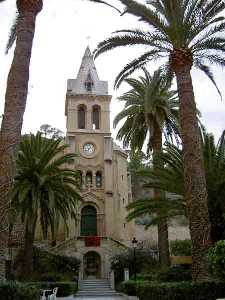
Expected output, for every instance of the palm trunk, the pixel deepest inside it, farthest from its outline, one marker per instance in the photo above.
(163, 241)
(27, 267)
(194, 175)
(15, 103)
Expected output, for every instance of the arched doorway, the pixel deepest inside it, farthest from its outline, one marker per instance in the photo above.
(88, 221)
(92, 265)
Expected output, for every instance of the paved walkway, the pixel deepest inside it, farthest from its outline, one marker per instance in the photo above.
(92, 298)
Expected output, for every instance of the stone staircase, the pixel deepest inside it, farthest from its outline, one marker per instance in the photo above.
(95, 288)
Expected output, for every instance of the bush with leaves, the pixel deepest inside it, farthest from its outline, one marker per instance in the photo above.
(208, 290)
(49, 266)
(16, 291)
(216, 258)
(181, 247)
(145, 261)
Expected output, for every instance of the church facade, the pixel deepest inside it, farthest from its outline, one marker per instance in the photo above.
(100, 230)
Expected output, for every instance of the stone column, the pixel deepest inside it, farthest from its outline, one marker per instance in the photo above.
(89, 119)
(112, 280)
(94, 180)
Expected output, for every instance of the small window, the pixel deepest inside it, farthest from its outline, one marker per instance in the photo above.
(88, 178)
(98, 179)
(89, 83)
(71, 140)
(81, 116)
(96, 117)
(88, 86)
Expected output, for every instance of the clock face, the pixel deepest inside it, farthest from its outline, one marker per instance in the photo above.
(88, 148)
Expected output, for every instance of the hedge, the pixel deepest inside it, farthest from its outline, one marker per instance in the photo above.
(16, 291)
(209, 290)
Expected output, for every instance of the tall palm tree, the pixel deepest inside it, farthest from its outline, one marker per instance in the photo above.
(186, 34)
(150, 107)
(15, 102)
(45, 190)
(170, 179)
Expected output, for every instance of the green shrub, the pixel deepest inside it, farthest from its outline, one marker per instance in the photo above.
(46, 261)
(48, 266)
(181, 247)
(210, 290)
(144, 261)
(175, 274)
(153, 276)
(51, 277)
(64, 288)
(216, 259)
(128, 287)
(16, 291)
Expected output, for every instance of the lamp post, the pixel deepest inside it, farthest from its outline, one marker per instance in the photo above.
(134, 243)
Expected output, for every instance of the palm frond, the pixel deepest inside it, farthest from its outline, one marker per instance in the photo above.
(12, 34)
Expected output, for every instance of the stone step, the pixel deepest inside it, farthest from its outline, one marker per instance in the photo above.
(90, 288)
(93, 283)
(95, 288)
(98, 294)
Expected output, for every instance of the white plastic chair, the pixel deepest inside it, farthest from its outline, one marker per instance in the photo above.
(53, 295)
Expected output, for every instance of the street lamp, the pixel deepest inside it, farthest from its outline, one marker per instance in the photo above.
(134, 243)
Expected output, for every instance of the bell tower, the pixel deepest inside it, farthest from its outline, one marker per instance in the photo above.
(87, 113)
(87, 100)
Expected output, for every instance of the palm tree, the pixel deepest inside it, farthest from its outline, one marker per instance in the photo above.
(186, 34)
(150, 107)
(15, 101)
(44, 189)
(170, 179)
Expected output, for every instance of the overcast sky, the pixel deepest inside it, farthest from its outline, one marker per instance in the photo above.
(62, 34)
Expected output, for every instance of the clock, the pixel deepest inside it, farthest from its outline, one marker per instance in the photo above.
(89, 148)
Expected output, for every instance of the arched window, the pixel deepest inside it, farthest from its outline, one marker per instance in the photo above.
(89, 84)
(81, 116)
(88, 221)
(98, 179)
(89, 178)
(96, 117)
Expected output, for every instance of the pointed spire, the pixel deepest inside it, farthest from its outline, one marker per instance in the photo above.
(87, 81)
(87, 52)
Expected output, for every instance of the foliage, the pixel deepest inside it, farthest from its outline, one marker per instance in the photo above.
(47, 263)
(43, 184)
(51, 132)
(216, 258)
(170, 179)
(172, 274)
(128, 287)
(150, 103)
(144, 261)
(51, 277)
(208, 290)
(196, 30)
(16, 291)
(175, 274)
(181, 247)
(48, 266)
(136, 162)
